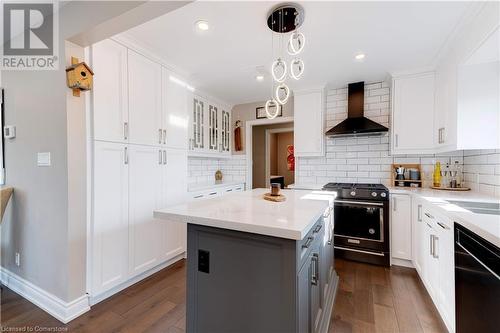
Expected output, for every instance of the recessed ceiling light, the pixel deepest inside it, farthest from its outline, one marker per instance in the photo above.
(259, 78)
(359, 56)
(202, 25)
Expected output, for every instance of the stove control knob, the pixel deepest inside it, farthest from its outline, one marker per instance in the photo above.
(374, 194)
(353, 193)
(383, 195)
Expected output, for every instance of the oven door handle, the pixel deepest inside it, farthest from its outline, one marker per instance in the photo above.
(368, 203)
(477, 260)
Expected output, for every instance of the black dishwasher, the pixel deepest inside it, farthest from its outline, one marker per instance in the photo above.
(477, 283)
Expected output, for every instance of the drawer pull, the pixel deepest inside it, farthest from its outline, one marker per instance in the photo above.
(212, 193)
(199, 196)
(429, 215)
(353, 241)
(318, 228)
(308, 242)
(443, 226)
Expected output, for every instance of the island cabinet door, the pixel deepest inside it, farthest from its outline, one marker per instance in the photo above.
(315, 285)
(303, 296)
(144, 197)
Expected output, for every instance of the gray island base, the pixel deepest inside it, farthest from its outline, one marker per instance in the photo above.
(245, 282)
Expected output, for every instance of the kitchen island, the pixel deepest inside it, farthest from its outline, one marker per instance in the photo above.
(259, 266)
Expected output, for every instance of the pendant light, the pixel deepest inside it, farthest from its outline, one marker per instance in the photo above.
(283, 19)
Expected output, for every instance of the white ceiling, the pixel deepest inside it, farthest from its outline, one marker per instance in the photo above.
(222, 61)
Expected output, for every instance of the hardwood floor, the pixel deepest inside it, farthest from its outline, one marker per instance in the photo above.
(370, 299)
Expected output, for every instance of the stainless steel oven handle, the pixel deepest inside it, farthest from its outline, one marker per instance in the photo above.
(380, 204)
(479, 261)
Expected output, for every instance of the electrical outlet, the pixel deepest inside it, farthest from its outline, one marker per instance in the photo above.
(18, 259)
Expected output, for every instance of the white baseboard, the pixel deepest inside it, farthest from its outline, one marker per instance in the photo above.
(94, 299)
(56, 307)
(401, 262)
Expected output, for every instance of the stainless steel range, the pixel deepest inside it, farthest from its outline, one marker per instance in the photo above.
(361, 215)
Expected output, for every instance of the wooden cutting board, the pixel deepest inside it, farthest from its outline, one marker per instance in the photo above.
(451, 188)
(275, 198)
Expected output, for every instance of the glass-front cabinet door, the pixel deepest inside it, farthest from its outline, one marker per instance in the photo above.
(198, 124)
(225, 132)
(210, 128)
(213, 128)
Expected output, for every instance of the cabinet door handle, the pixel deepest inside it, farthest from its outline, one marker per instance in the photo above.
(308, 242)
(164, 136)
(394, 204)
(159, 157)
(125, 130)
(443, 226)
(314, 268)
(431, 244)
(159, 135)
(318, 228)
(396, 137)
(164, 157)
(435, 253)
(419, 213)
(125, 156)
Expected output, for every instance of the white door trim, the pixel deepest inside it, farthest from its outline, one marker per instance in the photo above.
(268, 160)
(248, 142)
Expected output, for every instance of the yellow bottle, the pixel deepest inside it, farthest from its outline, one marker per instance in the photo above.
(436, 177)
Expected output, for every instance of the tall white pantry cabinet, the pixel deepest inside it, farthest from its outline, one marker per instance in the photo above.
(140, 132)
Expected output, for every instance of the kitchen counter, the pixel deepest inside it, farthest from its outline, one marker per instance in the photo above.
(211, 185)
(484, 225)
(249, 212)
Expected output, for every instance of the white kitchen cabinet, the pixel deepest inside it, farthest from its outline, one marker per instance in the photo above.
(309, 133)
(145, 193)
(175, 118)
(417, 233)
(437, 269)
(445, 253)
(174, 186)
(110, 93)
(144, 100)
(110, 224)
(467, 88)
(401, 226)
(210, 128)
(412, 127)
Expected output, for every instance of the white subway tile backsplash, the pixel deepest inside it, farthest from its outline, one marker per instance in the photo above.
(482, 170)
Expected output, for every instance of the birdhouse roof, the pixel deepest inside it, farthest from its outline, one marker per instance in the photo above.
(72, 67)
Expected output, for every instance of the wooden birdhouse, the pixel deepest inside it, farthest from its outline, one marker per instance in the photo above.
(79, 76)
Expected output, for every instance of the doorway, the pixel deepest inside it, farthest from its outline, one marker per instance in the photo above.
(264, 140)
(280, 159)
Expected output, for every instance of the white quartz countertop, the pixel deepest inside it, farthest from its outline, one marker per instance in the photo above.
(249, 212)
(208, 186)
(484, 225)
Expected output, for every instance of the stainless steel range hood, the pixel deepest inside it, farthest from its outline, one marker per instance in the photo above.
(356, 124)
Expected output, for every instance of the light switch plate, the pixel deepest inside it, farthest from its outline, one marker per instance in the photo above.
(43, 159)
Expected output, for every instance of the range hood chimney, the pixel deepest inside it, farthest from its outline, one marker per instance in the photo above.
(356, 124)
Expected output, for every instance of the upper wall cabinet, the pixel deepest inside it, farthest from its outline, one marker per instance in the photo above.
(412, 118)
(145, 111)
(175, 117)
(110, 101)
(210, 128)
(309, 132)
(467, 88)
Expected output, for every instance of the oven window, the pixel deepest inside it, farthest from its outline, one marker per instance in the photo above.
(358, 221)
